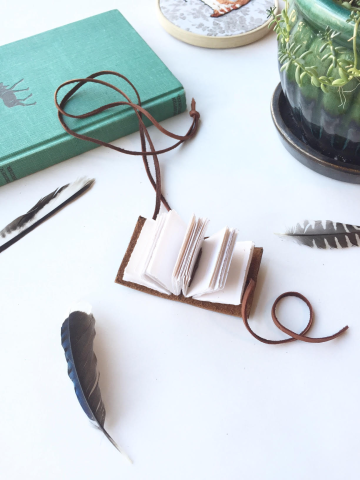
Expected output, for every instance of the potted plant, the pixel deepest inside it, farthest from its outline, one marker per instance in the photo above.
(320, 74)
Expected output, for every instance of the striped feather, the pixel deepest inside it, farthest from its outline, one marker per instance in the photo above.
(44, 209)
(324, 234)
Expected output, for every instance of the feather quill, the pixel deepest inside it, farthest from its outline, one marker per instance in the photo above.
(45, 208)
(324, 234)
(77, 338)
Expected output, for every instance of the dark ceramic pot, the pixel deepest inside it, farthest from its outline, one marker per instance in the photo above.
(330, 122)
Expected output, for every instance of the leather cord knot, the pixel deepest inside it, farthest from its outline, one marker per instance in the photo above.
(294, 336)
(193, 112)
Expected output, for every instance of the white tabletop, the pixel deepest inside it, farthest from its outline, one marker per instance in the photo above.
(190, 395)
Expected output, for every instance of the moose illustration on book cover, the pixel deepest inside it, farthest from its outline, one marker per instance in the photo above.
(7, 95)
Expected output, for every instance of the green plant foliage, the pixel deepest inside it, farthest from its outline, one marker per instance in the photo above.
(350, 5)
(289, 54)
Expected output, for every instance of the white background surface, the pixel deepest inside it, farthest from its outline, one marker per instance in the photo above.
(190, 395)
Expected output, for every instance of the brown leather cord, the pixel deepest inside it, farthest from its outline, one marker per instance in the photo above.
(144, 134)
(156, 183)
(294, 336)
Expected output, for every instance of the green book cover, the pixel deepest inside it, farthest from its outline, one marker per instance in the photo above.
(31, 135)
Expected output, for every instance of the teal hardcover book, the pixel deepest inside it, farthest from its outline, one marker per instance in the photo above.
(31, 70)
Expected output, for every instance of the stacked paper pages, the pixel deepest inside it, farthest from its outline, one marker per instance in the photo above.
(175, 258)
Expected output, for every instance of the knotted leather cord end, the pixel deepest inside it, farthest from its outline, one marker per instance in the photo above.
(294, 336)
(193, 112)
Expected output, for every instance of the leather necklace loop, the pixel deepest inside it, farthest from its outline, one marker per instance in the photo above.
(144, 134)
(294, 336)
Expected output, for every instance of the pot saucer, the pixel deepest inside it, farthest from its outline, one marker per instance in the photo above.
(295, 143)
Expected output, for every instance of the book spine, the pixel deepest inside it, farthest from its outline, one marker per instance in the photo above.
(65, 146)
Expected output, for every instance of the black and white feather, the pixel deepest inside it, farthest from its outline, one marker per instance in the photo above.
(324, 234)
(77, 339)
(45, 208)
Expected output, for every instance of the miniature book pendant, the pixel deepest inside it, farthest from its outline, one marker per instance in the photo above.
(164, 259)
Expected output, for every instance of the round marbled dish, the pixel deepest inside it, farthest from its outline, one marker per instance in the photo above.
(194, 16)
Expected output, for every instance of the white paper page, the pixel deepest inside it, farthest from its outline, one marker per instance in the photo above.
(133, 269)
(239, 268)
(164, 257)
(211, 248)
(224, 270)
(196, 238)
(159, 223)
(140, 248)
(193, 254)
(185, 245)
(146, 283)
(188, 253)
(179, 266)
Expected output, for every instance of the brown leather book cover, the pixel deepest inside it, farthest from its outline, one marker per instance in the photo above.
(234, 310)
